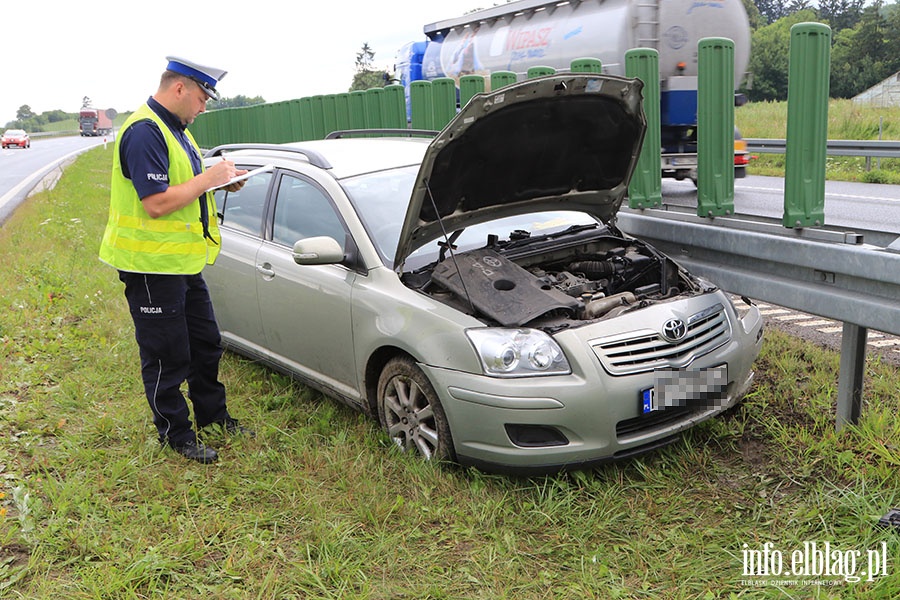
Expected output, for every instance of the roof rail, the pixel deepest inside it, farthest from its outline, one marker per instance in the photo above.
(314, 158)
(334, 135)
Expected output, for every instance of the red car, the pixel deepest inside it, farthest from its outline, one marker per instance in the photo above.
(16, 137)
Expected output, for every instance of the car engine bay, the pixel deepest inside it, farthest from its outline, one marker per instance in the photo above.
(555, 281)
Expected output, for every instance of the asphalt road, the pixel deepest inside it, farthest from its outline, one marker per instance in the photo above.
(856, 206)
(22, 169)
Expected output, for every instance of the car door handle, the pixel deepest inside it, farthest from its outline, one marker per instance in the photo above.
(265, 270)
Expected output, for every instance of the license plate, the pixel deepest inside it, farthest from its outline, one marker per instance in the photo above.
(701, 389)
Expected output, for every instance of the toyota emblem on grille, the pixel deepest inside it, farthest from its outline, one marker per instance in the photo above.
(674, 330)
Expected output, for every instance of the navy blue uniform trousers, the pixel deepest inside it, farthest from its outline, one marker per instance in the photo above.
(179, 340)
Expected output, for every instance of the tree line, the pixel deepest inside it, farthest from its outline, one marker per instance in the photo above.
(865, 44)
(30, 121)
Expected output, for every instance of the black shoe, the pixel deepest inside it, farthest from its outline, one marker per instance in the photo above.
(232, 427)
(196, 451)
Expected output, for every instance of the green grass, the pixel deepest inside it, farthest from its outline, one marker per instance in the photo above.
(320, 505)
(846, 121)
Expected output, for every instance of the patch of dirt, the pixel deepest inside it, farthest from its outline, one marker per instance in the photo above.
(17, 552)
(753, 451)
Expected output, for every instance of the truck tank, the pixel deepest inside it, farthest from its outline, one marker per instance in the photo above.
(519, 35)
(528, 33)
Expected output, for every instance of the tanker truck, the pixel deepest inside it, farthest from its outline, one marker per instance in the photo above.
(529, 33)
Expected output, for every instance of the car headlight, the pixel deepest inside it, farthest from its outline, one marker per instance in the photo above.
(518, 352)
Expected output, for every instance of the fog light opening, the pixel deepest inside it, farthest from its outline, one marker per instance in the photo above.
(535, 436)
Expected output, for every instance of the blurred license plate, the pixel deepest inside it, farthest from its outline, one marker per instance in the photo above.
(702, 389)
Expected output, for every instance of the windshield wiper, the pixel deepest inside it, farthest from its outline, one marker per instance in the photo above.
(525, 241)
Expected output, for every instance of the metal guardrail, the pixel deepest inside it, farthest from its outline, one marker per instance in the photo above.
(842, 280)
(830, 275)
(867, 148)
(39, 134)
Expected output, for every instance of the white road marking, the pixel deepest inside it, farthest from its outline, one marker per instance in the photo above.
(830, 330)
(816, 323)
(793, 318)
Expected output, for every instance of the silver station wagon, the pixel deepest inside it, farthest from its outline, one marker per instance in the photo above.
(471, 289)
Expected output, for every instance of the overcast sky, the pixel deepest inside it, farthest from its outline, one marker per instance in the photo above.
(114, 52)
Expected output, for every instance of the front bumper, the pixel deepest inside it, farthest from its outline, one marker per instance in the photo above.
(547, 424)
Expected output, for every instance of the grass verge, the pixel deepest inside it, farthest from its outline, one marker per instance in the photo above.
(846, 121)
(320, 505)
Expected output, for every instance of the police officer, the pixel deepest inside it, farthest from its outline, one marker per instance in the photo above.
(160, 234)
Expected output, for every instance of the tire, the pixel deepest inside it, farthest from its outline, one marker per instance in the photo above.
(410, 413)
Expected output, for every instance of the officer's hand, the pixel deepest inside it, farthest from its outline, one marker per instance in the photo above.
(221, 173)
(236, 186)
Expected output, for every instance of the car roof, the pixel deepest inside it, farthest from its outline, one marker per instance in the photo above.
(343, 157)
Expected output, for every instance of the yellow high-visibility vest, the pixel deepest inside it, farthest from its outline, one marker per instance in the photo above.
(171, 244)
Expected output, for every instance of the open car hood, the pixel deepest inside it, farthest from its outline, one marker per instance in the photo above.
(563, 142)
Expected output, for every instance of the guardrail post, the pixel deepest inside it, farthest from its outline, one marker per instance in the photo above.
(715, 127)
(807, 125)
(850, 382)
(645, 187)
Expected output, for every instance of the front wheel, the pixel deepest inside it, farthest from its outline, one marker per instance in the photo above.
(410, 412)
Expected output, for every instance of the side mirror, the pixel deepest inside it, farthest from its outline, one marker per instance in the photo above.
(321, 250)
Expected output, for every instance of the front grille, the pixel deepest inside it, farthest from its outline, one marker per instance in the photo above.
(646, 350)
(652, 421)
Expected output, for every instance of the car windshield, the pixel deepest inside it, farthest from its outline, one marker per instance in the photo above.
(381, 200)
(15, 133)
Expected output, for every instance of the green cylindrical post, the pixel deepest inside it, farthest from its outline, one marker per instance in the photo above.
(807, 125)
(715, 127)
(358, 109)
(469, 85)
(342, 110)
(645, 188)
(202, 127)
(501, 79)
(421, 105)
(329, 113)
(394, 107)
(296, 121)
(318, 117)
(282, 129)
(306, 118)
(228, 127)
(249, 132)
(443, 91)
(374, 113)
(588, 65)
(540, 71)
